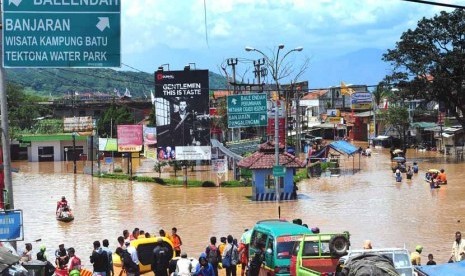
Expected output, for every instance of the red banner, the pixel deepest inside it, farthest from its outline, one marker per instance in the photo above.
(130, 138)
(281, 129)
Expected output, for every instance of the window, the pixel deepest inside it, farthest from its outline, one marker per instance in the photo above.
(162, 111)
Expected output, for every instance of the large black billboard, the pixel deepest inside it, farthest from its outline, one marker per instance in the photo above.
(182, 115)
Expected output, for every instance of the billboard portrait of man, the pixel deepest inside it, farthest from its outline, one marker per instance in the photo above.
(181, 125)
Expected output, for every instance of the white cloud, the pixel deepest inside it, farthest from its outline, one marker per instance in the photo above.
(323, 27)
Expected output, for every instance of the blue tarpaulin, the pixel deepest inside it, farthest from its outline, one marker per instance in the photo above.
(344, 147)
(449, 269)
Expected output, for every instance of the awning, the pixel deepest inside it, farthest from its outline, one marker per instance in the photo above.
(344, 147)
(329, 125)
(364, 114)
(423, 125)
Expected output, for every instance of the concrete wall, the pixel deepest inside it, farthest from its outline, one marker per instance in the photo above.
(58, 149)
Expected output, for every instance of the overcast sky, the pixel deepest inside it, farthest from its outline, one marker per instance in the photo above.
(156, 32)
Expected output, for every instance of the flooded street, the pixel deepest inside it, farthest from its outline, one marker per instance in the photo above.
(370, 205)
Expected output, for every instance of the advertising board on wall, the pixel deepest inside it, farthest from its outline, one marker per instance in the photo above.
(78, 124)
(107, 144)
(361, 100)
(129, 138)
(182, 115)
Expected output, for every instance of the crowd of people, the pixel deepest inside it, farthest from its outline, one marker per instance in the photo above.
(228, 255)
(436, 178)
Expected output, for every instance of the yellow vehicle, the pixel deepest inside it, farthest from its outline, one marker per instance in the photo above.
(144, 247)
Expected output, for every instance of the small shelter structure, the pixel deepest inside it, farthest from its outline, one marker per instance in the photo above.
(261, 164)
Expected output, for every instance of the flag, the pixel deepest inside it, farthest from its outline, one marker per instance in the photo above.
(385, 104)
(345, 90)
(152, 97)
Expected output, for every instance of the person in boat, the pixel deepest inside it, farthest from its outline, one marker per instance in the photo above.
(62, 203)
(62, 206)
(442, 177)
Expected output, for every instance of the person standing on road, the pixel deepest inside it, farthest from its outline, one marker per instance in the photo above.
(231, 252)
(161, 259)
(415, 257)
(99, 260)
(213, 255)
(176, 240)
(458, 248)
(106, 249)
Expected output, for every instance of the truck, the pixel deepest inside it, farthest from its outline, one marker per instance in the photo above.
(318, 254)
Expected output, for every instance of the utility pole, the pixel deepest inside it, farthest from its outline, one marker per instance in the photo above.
(259, 72)
(5, 137)
(233, 62)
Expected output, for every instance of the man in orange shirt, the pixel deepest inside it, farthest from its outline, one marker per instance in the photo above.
(442, 177)
(176, 240)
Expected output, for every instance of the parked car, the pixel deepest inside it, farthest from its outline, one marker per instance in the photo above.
(318, 254)
(278, 237)
(400, 257)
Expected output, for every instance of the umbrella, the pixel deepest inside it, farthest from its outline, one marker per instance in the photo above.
(433, 171)
(396, 151)
(245, 238)
(399, 159)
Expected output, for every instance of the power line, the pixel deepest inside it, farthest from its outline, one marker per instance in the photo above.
(436, 4)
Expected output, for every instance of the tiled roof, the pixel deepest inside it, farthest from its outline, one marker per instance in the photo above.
(264, 158)
(315, 94)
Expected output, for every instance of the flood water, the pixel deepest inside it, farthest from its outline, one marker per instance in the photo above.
(369, 204)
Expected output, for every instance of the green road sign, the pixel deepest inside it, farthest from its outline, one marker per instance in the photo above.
(248, 110)
(43, 33)
(279, 171)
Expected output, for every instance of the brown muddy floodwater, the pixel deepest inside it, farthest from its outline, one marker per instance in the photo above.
(370, 205)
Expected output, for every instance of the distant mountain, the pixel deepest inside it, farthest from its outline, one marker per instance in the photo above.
(361, 67)
(59, 82)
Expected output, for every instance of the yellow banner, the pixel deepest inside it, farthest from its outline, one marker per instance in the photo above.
(333, 120)
(129, 148)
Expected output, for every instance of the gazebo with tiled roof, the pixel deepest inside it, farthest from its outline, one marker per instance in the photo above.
(261, 163)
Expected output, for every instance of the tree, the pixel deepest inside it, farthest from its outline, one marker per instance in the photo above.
(158, 167)
(397, 117)
(23, 110)
(429, 62)
(380, 93)
(113, 116)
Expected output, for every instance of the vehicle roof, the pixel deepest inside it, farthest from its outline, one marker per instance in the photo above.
(377, 250)
(281, 227)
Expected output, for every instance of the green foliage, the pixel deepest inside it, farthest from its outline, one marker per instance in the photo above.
(208, 183)
(428, 62)
(158, 167)
(176, 165)
(231, 183)
(397, 117)
(118, 170)
(58, 82)
(173, 181)
(23, 110)
(48, 126)
(300, 175)
(113, 116)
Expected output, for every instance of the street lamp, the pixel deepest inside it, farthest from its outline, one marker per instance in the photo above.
(274, 66)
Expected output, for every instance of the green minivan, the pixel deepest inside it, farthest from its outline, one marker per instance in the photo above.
(279, 237)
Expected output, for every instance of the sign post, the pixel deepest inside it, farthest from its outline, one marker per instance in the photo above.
(248, 110)
(51, 34)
